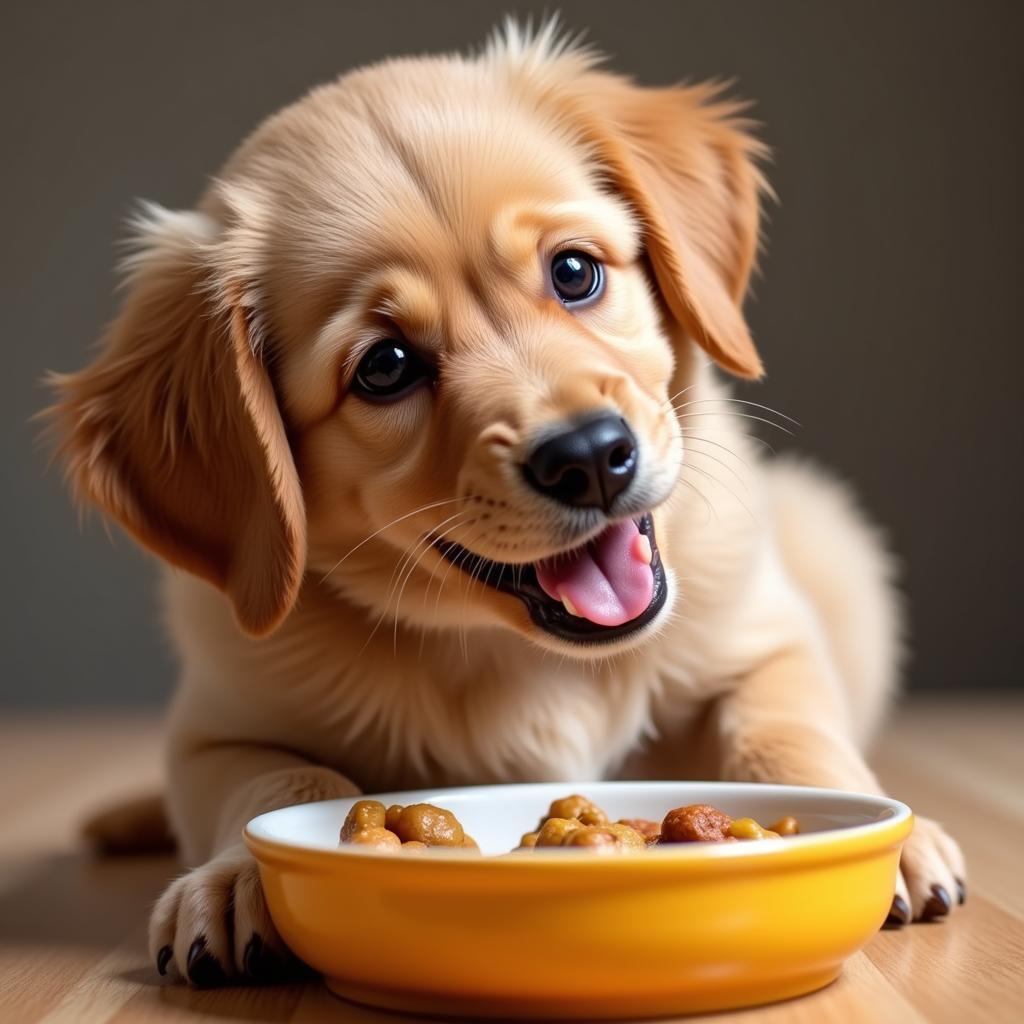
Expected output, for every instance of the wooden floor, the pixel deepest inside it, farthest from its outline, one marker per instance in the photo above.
(72, 929)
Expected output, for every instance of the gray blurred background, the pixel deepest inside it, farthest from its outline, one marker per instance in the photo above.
(889, 309)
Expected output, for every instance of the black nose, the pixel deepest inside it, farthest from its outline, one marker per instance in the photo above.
(586, 466)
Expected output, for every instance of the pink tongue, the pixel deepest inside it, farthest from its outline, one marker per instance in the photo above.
(608, 581)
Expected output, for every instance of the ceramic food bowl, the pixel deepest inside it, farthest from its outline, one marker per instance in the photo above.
(567, 934)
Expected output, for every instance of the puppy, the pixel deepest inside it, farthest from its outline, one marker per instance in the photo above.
(424, 398)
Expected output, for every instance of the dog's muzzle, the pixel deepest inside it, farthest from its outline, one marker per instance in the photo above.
(601, 591)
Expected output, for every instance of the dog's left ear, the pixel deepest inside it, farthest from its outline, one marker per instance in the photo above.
(686, 161)
(174, 430)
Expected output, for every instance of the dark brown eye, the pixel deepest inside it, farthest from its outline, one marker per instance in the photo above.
(389, 370)
(575, 276)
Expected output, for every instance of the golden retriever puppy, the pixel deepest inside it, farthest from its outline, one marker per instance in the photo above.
(424, 398)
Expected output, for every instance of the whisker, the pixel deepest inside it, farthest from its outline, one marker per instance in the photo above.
(474, 579)
(433, 579)
(387, 526)
(487, 578)
(396, 572)
(718, 444)
(403, 561)
(672, 398)
(460, 561)
(373, 633)
(703, 497)
(744, 401)
(689, 432)
(474, 576)
(448, 562)
(424, 545)
(398, 603)
(723, 464)
(720, 483)
(479, 561)
(739, 415)
(452, 563)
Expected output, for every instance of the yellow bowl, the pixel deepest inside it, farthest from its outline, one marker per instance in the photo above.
(566, 934)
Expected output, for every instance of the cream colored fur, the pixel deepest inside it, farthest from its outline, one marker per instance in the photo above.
(325, 647)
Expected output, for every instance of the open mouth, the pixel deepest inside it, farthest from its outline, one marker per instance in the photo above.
(603, 590)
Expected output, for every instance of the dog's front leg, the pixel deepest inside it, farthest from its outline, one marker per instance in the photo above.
(211, 924)
(786, 722)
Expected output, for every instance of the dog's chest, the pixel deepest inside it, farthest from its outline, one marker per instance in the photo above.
(503, 715)
(498, 710)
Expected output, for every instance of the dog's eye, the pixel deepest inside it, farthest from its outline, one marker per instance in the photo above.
(389, 370)
(575, 276)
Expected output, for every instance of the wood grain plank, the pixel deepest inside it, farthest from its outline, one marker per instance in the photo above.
(61, 914)
(981, 782)
(33, 979)
(72, 929)
(100, 992)
(968, 968)
(161, 1004)
(981, 737)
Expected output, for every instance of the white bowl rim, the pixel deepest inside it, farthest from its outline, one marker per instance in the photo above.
(889, 813)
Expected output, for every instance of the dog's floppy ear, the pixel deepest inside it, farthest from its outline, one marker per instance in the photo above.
(174, 431)
(685, 160)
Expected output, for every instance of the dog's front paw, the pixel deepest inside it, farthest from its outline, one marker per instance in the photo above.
(212, 926)
(932, 878)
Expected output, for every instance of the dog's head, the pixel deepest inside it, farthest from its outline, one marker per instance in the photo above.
(421, 339)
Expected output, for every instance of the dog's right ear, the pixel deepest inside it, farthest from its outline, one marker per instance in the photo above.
(686, 161)
(174, 431)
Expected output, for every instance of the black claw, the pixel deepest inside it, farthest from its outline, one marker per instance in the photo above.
(203, 969)
(899, 913)
(961, 891)
(163, 958)
(250, 958)
(938, 905)
(260, 962)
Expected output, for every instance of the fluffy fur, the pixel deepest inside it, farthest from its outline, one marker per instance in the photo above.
(335, 650)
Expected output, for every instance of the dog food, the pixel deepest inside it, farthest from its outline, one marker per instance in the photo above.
(572, 821)
(576, 821)
(412, 829)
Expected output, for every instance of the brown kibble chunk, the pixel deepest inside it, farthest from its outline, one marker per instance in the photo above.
(650, 830)
(380, 838)
(365, 814)
(747, 828)
(787, 826)
(427, 824)
(612, 838)
(579, 807)
(596, 838)
(627, 836)
(414, 846)
(470, 843)
(391, 817)
(695, 823)
(554, 831)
